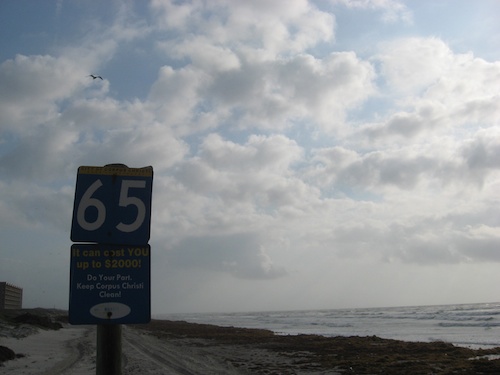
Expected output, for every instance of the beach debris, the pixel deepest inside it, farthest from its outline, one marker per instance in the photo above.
(6, 354)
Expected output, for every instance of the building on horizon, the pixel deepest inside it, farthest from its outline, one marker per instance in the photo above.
(11, 296)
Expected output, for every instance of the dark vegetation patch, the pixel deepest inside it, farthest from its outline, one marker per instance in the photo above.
(12, 320)
(355, 355)
(6, 354)
(42, 321)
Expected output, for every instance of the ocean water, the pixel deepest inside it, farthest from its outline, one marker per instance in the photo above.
(471, 325)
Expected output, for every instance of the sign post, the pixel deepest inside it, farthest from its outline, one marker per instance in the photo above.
(110, 281)
(109, 349)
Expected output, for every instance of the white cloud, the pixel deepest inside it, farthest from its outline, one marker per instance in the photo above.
(393, 10)
(279, 160)
(427, 68)
(412, 64)
(373, 170)
(262, 28)
(238, 254)
(481, 156)
(274, 95)
(258, 173)
(32, 86)
(42, 154)
(175, 98)
(204, 54)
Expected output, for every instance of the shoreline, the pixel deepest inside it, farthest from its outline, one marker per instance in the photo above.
(179, 347)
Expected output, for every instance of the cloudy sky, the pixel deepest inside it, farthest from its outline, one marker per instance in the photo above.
(307, 154)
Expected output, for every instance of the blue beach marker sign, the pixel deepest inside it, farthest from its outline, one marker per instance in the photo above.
(112, 205)
(110, 274)
(110, 284)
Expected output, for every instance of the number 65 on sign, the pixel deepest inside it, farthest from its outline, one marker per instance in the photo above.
(112, 205)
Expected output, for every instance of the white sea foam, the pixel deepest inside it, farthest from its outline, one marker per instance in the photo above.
(472, 325)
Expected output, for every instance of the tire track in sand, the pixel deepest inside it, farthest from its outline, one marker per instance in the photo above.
(167, 357)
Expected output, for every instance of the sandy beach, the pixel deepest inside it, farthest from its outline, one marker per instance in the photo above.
(176, 347)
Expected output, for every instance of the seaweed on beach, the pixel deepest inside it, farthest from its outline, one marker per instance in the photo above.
(356, 355)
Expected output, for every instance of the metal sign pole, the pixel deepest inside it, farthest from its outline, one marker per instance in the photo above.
(109, 349)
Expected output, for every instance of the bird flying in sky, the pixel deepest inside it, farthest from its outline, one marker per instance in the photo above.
(94, 77)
